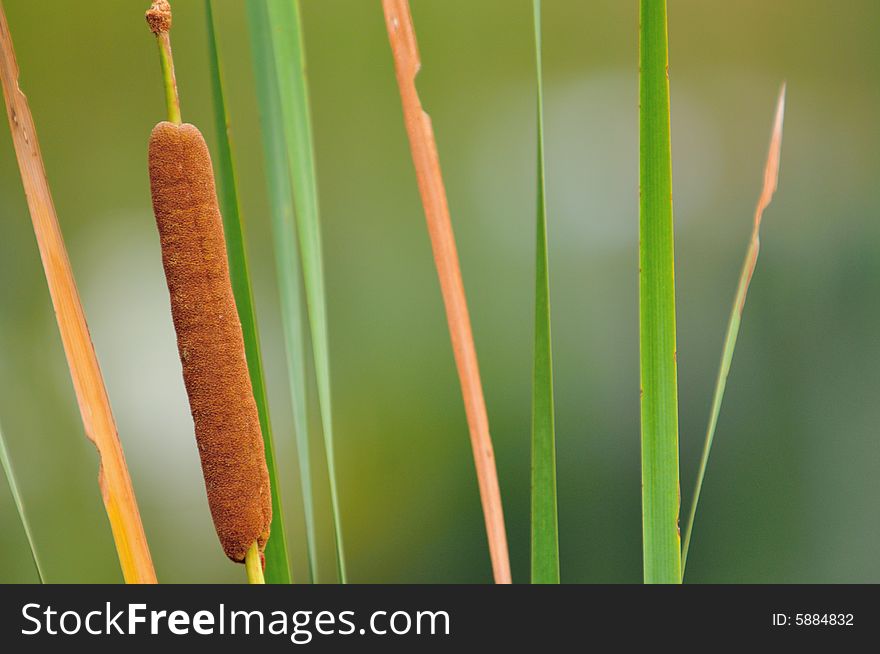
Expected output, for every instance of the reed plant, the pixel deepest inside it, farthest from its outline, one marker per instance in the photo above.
(202, 229)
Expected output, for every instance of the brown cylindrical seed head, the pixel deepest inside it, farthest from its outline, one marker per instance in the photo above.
(209, 337)
(159, 16)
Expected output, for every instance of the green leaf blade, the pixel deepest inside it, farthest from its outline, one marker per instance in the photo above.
(288, 56)
(545, 530)
(658, 375)
(771, 176)
(277, 562)
(287, 262)
(6, 463)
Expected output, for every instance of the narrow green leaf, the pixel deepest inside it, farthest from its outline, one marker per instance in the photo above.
(659, 387)
(545, 531)
(290, 69)
(277, 564)
(286, 254)
(277, 43)
(771, 176)
(19, 505)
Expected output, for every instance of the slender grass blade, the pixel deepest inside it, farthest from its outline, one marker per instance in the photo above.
(88, 383)
(277, 564)
(771, 177)
(288, 48)
(19, 505)
(659, 386)
(287, 261)
(545, 530)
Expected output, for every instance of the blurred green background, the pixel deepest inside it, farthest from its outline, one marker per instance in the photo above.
(794, 481)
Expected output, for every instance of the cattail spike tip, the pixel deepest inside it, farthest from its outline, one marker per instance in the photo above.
(159, 17)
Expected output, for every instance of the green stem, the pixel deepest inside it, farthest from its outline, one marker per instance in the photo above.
(254, 565)
(166, 59)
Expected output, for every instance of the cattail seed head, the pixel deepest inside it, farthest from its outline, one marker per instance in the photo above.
(159, 16)
(209, 337)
